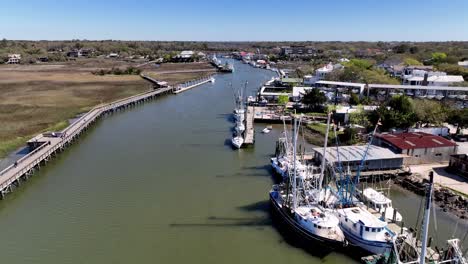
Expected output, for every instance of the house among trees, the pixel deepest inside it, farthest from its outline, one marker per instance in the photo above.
(463, 63)
(113, 55)
(297, 51)
(416, 75)
(14, 59)
(418, 147)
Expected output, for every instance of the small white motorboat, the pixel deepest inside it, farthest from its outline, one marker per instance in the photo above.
(439, 97)
(461, 96)
(237, 141)
(430, 96)
(267, 129)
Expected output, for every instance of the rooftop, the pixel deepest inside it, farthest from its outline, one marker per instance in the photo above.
(415, 140)
(355, 153)
(291, 80)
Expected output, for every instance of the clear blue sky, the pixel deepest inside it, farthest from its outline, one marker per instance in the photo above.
(235, 20)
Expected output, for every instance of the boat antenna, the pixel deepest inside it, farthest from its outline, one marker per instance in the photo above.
(324, 154)
(427, 214)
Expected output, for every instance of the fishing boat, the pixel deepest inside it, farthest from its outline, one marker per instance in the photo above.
(439, 97)
(452, 96)
(239, 110)
(237, 141)
(365, 230)
(379, 202)
(461, 96)
(309, 221)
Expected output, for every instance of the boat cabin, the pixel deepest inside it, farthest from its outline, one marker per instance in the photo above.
(363, 224)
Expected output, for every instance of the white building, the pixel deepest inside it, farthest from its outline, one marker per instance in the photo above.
(14, 58)
(433, 78)
(463, 63)
(113, 55)
(321, 73)
(186, 54)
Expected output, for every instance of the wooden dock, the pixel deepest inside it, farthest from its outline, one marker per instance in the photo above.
(47, 145)
(192, 84)
(249, 134)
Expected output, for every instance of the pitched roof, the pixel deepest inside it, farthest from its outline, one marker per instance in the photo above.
(415, 140)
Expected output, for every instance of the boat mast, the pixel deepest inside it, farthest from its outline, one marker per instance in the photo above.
(294, 162)
(322, 168)
(427, 214)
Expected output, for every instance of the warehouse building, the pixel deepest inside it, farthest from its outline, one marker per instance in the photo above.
(419, 147)
(377, 159)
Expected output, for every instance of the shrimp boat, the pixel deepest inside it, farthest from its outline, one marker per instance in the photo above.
(239, 110)
(283, 162)
(362, 228)
(310, 222)
(379, 202)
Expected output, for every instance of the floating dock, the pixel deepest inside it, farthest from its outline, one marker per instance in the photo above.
(47, 145)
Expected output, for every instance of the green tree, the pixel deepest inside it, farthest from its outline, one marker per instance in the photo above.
(430, 112)
(398, 112)
(411, 61)
(283, 100)
(438, 57)
(359, 117)
(349, 135)
(414, 49)
(354, 99)
(314, 99)
(459, 117)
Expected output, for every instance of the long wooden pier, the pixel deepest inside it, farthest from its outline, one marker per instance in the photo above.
(249, 134)
(47, 145)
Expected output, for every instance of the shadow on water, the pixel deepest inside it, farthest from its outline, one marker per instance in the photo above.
(216, 221)
(261, 206)
(287, 235)
(227, 117)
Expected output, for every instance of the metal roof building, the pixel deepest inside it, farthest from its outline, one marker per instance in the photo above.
(419, 147)
(378, 158)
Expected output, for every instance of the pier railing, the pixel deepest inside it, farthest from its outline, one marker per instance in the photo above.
(190, 84)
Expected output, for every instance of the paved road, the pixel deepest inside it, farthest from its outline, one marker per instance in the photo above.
(442, 177)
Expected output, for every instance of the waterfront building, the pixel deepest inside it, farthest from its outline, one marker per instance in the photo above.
(378, 158)
(419, 147)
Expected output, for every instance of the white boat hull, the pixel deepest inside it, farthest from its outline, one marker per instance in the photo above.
(237, 142)
(374, 247)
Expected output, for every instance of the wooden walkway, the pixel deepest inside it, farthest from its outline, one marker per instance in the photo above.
(49, 144)
(192, 84)
(249, 134)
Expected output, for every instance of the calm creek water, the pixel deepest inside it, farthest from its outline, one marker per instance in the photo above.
(159, 184)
